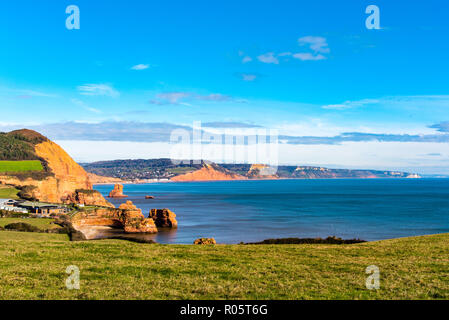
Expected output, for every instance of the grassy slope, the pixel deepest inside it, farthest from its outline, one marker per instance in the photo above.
(33, 266)
(8, 193)
(43, 224)
(20, 166)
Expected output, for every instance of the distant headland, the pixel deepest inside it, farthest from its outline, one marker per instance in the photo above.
(160, 170)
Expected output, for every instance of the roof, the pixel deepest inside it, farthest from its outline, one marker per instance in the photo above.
(38, 204)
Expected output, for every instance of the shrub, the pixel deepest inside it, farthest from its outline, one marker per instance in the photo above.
(22, 227)
(328, 240)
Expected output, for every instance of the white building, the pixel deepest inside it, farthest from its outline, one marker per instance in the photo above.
(8, 205)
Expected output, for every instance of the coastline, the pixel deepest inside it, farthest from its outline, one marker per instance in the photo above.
(130, 182)
(255, 210)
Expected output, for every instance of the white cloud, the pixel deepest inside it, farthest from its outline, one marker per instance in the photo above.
(247, 59)
(85, 106)
(268, 58)
(31, 93)
(98, 90)
(170, 98)
(248, 76)
(179, 98)
(26, 93)
(351, 104)
(213, 97)
(308, 57)
(317, 44)
(140, 67)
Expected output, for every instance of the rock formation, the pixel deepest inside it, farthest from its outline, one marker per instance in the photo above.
(117, 192)
(61, 176)
(205, 241)
(209, 172)
(88, 198)
(164, 218)
(134, 221)
(127, 217)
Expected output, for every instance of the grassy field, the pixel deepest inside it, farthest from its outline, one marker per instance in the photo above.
(182, 170)
(43, 224)
(8, 193)
(20, 166)
(32, 266)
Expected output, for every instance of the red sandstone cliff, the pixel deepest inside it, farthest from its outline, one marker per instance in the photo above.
(262, 171)
(209, 172)
(62, 177)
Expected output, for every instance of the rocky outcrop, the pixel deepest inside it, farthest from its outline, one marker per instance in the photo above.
(127, 217)
(208, 172)
(117, 192)
(164, 218)
(88, 198)
(61, 177)
(134, 221)
(205, 241)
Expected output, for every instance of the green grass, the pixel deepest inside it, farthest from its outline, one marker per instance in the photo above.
(32, 266)
(182, 170)
(9, 193)
(41, 223)
(21, 166)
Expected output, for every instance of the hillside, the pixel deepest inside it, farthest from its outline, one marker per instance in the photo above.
(209, 172)
(166, 169)
(96, 179)
(19, 145)
(58, 178)
(410, 268)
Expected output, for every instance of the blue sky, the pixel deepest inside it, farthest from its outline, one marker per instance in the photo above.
(307, 69)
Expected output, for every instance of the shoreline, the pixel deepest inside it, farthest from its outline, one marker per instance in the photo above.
(192, 181)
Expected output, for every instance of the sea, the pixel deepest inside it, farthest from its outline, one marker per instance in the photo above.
(254, 210)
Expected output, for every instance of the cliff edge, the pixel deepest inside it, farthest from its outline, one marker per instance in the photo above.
(62, 180)
(209, 172)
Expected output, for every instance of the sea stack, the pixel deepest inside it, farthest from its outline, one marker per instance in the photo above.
(164, 218)
(117, 192)
(134, 221)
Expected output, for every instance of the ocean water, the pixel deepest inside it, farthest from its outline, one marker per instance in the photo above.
(248, 211)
